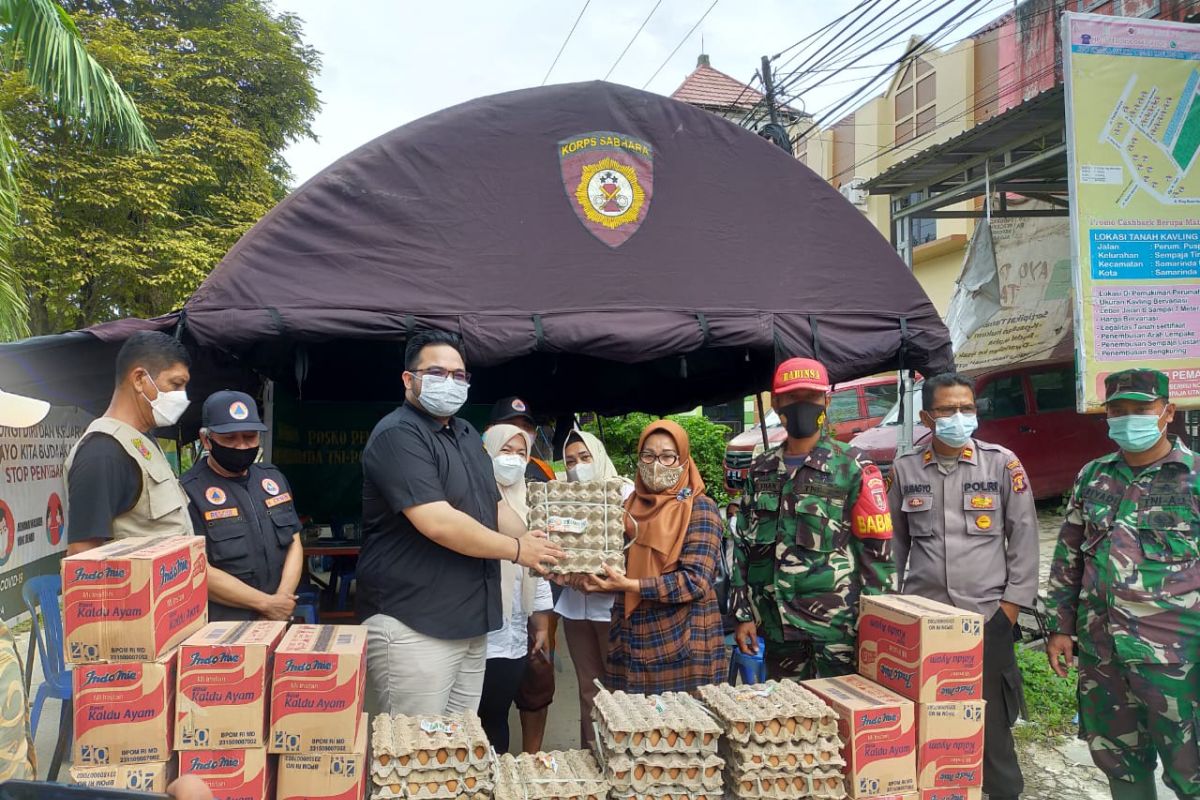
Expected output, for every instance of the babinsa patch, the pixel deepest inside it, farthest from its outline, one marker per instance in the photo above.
(609, 180)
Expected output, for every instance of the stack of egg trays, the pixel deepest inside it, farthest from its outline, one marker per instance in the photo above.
(585, 518)
(781, 741)
(430, 758)
(658, 747)
(558, 775)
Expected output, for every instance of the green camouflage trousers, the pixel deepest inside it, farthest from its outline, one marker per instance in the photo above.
(804, 661)
(1130, 712)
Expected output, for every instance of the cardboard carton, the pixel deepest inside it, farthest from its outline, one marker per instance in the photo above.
(926, 651)
(879, 735)
(901, 796)
(317, 689)
(328, 776)
(953, 793)
(133, 599)
(950, 744)
(224, 670)
(124, 712)
(246, 774)
(152, 777)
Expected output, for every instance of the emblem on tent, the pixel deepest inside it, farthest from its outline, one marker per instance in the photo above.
(609, 179)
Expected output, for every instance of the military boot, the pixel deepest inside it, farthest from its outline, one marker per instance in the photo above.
(1142, 788)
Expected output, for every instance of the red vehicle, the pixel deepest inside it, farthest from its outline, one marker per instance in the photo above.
(1028, 409)
(854, 406)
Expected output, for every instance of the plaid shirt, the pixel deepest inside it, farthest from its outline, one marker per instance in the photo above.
(674, 640)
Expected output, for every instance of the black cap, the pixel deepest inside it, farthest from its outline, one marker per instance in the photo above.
(231, 412)
(508, 408)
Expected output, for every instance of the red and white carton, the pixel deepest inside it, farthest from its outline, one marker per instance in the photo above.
(953, 793)
(319, 677)
(224, 672)
(326, 776)
(245, 774)
(124, 712)
(926, 651)
(133, 599)
(152, 777)
(950, 744)
(879, 735)
(901, 796)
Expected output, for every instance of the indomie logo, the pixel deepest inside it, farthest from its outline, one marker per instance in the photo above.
(106, 571)
(220, 762)
(112, 677)
(216, 658)
(306, 666)
(166, 574)
(891, 673)
(880, 718)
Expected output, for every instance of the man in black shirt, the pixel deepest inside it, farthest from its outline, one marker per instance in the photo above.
(428, 577)
(247, 516)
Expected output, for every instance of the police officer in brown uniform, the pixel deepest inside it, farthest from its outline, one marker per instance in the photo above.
(966, 534)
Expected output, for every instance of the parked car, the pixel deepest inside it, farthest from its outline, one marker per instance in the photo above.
(1028, 409)
(854, 406)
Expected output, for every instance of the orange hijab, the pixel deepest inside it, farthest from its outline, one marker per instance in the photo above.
(661, 519)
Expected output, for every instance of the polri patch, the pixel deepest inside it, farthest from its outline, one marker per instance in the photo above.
(983, 501)
(1019, 484)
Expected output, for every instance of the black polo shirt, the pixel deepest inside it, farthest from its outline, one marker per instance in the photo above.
(411, 459)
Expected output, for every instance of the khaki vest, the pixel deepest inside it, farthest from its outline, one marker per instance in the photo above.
(162, 507)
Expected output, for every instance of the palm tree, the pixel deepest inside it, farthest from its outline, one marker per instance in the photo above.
(40, 37)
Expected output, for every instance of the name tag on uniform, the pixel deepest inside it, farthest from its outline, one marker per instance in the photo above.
(220, 513)
(286, 497)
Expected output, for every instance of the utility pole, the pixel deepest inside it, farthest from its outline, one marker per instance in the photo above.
(769, 83)
(774, 130)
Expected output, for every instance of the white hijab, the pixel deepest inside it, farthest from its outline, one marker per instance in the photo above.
(516, 495)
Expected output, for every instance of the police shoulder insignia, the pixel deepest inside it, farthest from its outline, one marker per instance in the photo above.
(927, 457)
(968, 453)
(1014, 464)
(1019, 484)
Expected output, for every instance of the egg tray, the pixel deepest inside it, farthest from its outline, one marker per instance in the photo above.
(402, 745)
(804, 756)
(775, 712)
(667, 793)
(641, 773)
(827, 784)
(638, 724)
(434, 784)
(586, 519)
(558, 775)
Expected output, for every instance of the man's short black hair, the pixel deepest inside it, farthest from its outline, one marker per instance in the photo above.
(943, 381)
(152, 351)
(412, 351)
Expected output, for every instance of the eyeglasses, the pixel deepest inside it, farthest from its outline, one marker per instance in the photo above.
(458, 375)
(666, 459)
(950, 411)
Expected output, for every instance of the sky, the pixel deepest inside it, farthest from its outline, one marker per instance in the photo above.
(388, 62)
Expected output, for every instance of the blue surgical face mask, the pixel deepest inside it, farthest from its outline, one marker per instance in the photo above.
(956, 431)
(1135, 433)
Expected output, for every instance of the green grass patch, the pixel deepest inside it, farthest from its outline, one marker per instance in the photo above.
(1049, 699)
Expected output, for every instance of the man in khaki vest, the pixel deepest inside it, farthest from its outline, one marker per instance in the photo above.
(119, 484)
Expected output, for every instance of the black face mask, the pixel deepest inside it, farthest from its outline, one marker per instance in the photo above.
(803, 419)
(232, 459)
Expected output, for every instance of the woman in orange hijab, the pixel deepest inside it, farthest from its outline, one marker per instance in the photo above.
(666, 633)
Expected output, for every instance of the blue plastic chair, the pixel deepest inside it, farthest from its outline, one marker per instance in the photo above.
(43, 592)
(306, 604)
(752, 669)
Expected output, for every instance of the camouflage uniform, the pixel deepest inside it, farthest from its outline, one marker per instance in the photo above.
(1126, 583)
(809, 543)
(16, 748)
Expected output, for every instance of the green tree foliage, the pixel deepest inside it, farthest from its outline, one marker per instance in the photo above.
(707, 438)
(224, 87)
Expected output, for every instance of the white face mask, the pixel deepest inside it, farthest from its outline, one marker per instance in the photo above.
(509, 468)
(582, 472)
(168, 407)
(442, 397)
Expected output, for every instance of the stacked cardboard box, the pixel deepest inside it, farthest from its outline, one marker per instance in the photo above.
(932, 654)
(423, 758)
(658, 747)
(126, 606)
(221, 706)
(781, 741)
(318, 727)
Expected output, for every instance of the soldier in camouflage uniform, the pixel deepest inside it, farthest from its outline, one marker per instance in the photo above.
(1126, 584)
(813, 534)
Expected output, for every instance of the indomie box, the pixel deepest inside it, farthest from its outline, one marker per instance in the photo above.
(326, 776)
(317, 687)
(124, 712)
(956, 793)
(133, 599)
(246, 774)
(950, 744)
(152, 777)
(879, 735)
(922, 649)
(224, 670)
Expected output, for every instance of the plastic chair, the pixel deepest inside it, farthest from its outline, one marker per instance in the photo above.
(44, 591)
(752, 669)
(340, 578)
(306, 605)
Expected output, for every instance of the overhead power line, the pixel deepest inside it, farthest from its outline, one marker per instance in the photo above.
(686, 36)
(570, 33)
(634, 39)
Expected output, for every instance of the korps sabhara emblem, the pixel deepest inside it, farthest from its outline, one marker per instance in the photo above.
(609, 178)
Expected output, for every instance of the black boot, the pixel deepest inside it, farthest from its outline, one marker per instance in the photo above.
(1142, 788)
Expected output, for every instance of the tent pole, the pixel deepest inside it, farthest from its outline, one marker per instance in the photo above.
(762, 421)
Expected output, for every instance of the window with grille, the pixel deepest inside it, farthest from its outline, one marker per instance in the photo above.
(916, 101)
